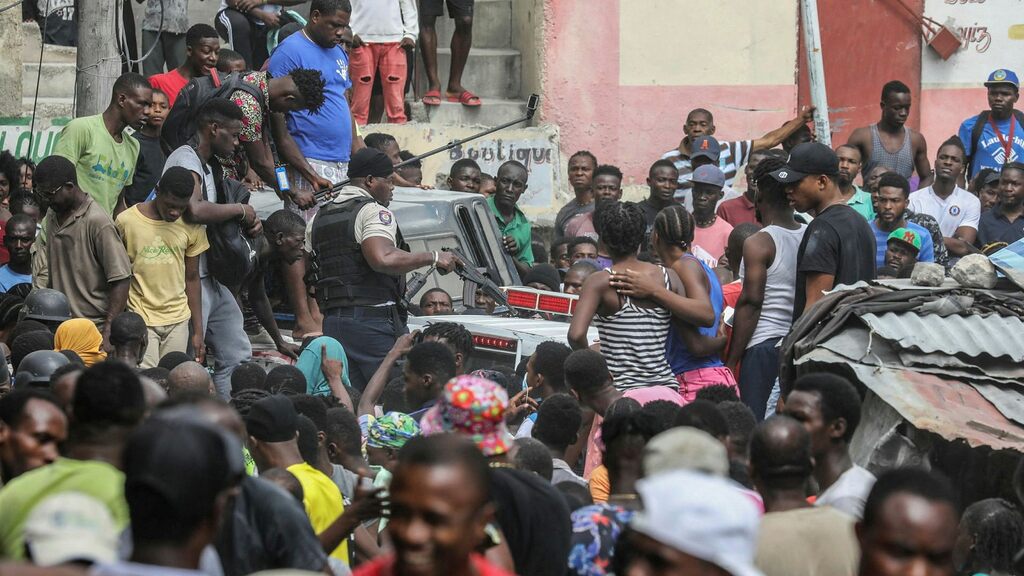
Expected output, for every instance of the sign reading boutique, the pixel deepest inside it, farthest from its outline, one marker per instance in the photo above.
(16, 138)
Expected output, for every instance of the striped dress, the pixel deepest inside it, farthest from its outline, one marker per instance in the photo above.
(633, 343)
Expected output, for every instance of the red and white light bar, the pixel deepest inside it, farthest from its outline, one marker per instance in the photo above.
(495, 343)
(541, 300)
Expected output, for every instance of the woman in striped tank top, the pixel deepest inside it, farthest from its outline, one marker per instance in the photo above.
(694, 345)
(633, 331)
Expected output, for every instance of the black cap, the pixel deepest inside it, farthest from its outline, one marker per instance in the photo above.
(182, 459)
(809, 158)
(370, 162)
(272, 419)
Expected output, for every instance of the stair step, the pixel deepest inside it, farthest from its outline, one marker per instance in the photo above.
(49, 107)
(489, 73)
(30, 47)
(492, 25)
(492, 113)
(58, 80)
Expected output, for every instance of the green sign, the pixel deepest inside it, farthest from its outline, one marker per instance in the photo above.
(15, 137)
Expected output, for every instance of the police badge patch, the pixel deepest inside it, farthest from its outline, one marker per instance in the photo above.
(385, 217)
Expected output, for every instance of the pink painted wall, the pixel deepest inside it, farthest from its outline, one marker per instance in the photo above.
(632, 126)
(943, 109)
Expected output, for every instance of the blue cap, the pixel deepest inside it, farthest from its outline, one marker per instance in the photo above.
(705, 146)
(1002, 76)
(709, 174)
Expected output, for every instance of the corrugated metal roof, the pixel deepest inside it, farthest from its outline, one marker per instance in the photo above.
(949, 408)
(973, 335)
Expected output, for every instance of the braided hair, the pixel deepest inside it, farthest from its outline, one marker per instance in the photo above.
(997, 529)
(454, 334)
(675, 226)
(242, 400)
(771, 190)
(622, 227)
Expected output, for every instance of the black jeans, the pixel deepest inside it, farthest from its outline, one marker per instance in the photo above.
(246, 37)
(367, 334)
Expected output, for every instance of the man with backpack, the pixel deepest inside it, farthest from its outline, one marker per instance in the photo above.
(263, 101)
(219, 123)
(995, 136)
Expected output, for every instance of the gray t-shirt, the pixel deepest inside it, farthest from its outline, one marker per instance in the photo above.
(345, 481)
(849, 493)
(186, 157)
(568, 212)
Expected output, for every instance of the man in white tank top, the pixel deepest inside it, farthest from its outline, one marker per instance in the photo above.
(764, 311)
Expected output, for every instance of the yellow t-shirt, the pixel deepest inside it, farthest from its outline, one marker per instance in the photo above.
(322, 500)
(157, 250)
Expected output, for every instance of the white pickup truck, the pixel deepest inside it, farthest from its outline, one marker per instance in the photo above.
(439, 219)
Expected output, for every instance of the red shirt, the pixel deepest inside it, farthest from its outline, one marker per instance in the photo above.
(169, 83)
(737, 211)
(731, 295)
(385, 567)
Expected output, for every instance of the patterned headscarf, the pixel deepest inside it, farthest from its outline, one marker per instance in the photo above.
(391, 430)
(474, 407)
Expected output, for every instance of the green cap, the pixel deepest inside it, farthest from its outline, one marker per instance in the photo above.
(906, 236)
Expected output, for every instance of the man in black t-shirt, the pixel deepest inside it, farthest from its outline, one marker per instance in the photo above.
(839, 246)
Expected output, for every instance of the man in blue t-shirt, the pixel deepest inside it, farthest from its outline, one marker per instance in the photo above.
(18, 239)
(1002, 136)
(325, 138)
(892, 201)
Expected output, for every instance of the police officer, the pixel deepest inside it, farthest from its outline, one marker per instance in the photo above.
(359, 265)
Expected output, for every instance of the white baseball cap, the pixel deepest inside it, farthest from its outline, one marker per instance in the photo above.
(700, 515)
(685, 448)
(70, 526)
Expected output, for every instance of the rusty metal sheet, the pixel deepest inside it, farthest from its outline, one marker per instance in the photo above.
(993, 335)
(950, 408)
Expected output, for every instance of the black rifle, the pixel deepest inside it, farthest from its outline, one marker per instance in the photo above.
(531, 109)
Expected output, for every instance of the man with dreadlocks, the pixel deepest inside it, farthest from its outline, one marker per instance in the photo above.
(456, 337)
(764, 312)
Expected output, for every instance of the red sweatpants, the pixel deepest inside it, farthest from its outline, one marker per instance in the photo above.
(390, 61)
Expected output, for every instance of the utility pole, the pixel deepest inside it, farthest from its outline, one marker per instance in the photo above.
(816, 70)
(99, 63)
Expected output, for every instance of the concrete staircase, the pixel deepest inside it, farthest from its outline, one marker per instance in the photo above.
(493, 71)
(56, 76)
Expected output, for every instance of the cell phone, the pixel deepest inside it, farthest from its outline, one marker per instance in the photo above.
(727, 315)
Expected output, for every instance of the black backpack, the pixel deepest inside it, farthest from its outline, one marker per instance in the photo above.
(180, 125)
(979, 126)
(233, 257)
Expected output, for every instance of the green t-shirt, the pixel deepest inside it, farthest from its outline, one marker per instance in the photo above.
(104, 166)
(861, 202)
(17, 499)
(518, 228)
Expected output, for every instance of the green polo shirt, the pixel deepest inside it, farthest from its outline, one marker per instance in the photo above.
(519, 228)
(861, 202)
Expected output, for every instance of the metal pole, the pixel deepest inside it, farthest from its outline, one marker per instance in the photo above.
(816, 70)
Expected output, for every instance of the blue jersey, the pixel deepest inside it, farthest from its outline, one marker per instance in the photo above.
(326, 135)
(925, 254)
(678, 356)
(990, 153)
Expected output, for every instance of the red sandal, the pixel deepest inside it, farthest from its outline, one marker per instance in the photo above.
(432, 98)
(467, 99)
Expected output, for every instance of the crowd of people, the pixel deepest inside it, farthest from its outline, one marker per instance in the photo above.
(138, 435)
